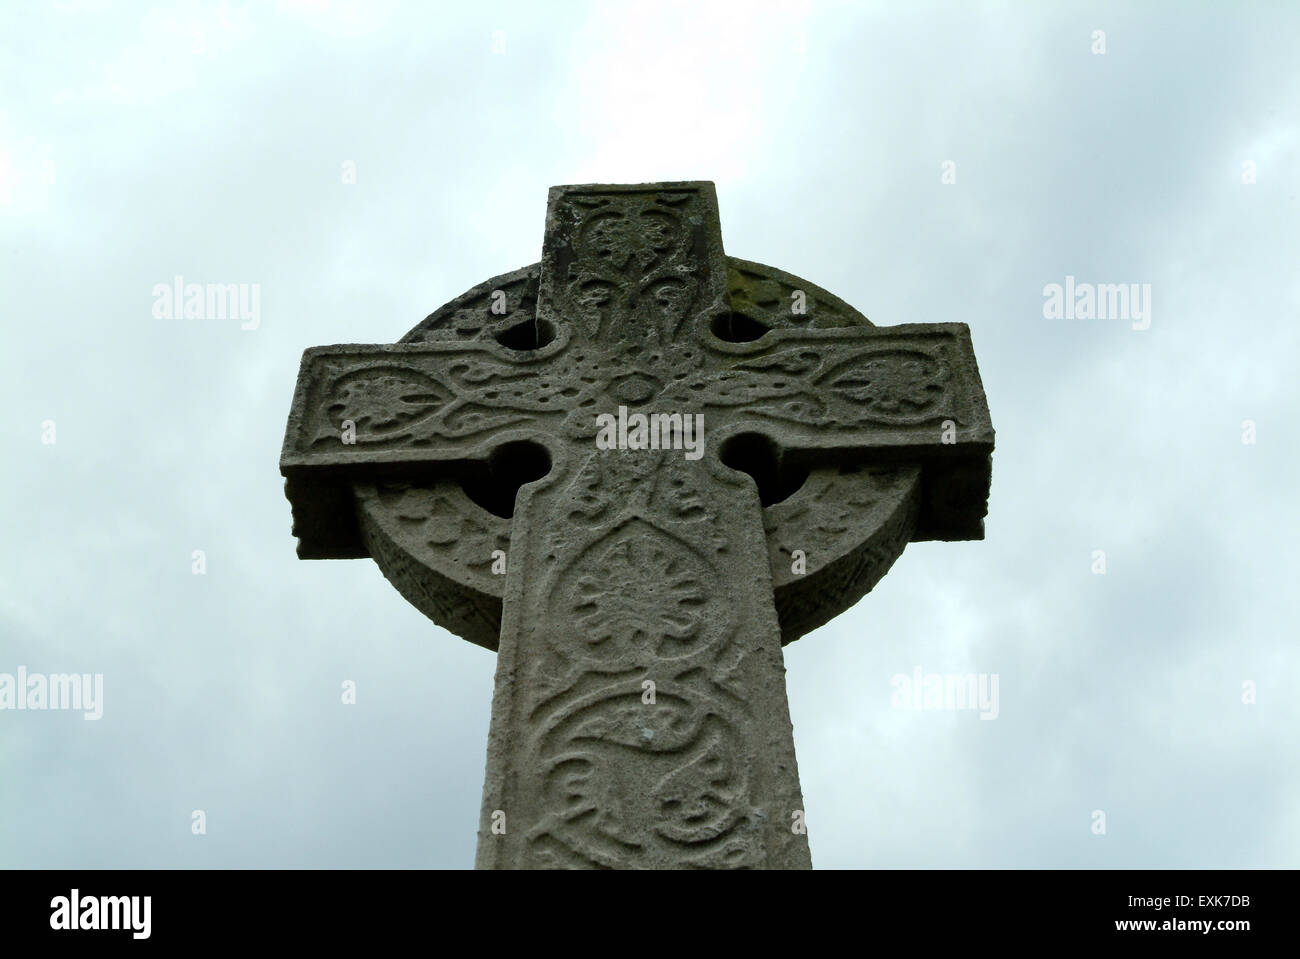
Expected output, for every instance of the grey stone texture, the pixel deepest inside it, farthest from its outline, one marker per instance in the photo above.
(638, 599)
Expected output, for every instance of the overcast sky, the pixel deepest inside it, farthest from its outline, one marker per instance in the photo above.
(212, 142)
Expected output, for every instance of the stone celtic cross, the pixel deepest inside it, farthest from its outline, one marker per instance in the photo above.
(638, 597)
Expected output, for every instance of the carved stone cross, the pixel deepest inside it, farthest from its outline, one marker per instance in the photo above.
(638, 596)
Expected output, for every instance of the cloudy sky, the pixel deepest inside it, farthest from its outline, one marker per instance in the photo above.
(212, 142)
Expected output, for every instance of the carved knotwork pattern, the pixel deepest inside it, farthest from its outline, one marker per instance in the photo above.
(640, 596)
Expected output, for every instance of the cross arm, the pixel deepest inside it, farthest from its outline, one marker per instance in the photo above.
(365, 413)
(909, 394)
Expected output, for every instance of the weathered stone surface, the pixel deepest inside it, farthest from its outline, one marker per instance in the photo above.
(628, 567)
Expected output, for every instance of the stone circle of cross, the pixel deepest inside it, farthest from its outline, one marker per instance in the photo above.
(638, 591)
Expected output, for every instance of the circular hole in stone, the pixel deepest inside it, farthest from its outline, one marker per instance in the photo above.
(494, 483)
(529, 335)
(761, 459)
(737, 328)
